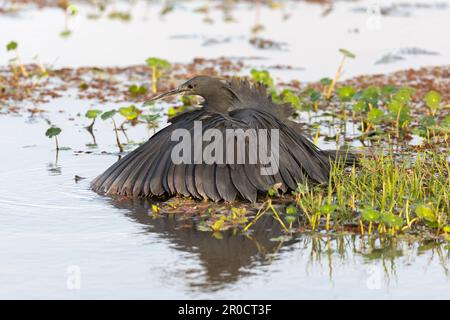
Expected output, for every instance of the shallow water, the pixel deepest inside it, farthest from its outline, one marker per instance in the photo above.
(52, 227)
(311, 40)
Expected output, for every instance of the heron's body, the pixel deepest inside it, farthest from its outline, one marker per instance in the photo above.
(149, 170)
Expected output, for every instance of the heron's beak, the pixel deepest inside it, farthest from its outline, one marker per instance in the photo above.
(178, 90)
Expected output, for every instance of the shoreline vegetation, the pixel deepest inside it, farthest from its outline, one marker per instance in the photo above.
(400, 121)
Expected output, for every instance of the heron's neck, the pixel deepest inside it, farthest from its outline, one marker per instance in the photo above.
(220, 101)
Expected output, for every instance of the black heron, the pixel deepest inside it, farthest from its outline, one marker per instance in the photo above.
(150, 171)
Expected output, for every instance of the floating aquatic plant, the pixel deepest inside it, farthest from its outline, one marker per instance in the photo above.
(110, 115)
(12, 46)
(70, 11)
(136, 90)
(53, 132)
(92, 115)
(158, 66)
(433, 100)
(345, 55)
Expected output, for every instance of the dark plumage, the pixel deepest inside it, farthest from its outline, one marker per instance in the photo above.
(236, 104)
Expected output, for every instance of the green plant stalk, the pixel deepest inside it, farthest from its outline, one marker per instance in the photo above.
(21, 65)
(90, 129)
(258, 215)
(336, 78)
(270, 206)
(117, 136)
(154, 79)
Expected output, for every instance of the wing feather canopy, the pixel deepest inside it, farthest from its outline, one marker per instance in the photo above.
(150, 171)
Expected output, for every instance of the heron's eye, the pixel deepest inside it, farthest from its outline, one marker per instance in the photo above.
(190, 86)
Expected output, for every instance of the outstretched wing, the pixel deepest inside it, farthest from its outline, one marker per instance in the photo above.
(150, 171)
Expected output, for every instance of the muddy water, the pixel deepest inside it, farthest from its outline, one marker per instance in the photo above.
(54, 231)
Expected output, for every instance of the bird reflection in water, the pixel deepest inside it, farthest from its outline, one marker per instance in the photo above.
(234, 255)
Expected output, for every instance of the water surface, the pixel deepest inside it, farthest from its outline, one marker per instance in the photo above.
(51, 224)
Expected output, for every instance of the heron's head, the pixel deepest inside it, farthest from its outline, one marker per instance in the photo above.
(211, 89)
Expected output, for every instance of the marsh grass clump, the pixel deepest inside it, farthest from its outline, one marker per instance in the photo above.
(387, 195)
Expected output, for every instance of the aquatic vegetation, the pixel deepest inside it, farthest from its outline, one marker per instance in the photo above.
(158, 66)
(92, 115)
(110, 115)
(53, 132)
(389, 195)
(433, 100)
(70, 11)
(120, 15)
(12, 46)
(262, 76)
(136, 90)
(345, 54)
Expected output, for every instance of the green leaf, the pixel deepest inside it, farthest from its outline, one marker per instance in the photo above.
(130, 112)
(433, 99)
(346, 93)
(347, 53)
(65, 33)
(328, 208)
(428, 121)
(426, 213)
(392, 220)
(326, 81)
(273, 191)
(371, 95)
(12, 45)
(375, 116)
(292, 209)
(171, 112)
(157, 62)
(263, 77)
(72, 10)
(217, 226)
(360, 106)
(404, 94)
(315, 95)
(371, 215)
(155, 208)
(93, 114)
(83, 86)
(52, 132)
(290, 219)
(136, 90)
(398, 109)
(292, 98)
(446, 121)
(150, 117)
(108, 114)
(388, 90)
